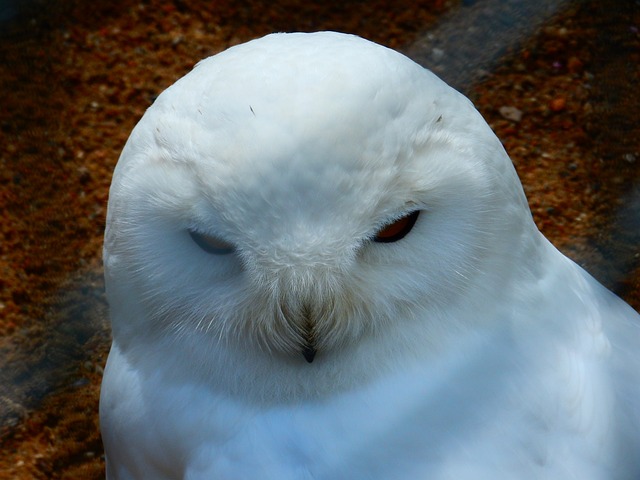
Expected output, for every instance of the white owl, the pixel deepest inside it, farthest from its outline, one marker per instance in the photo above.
(321, 265)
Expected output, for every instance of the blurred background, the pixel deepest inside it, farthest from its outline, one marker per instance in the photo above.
(558, 81)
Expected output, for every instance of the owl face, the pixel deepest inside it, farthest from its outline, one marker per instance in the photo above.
(301, 192)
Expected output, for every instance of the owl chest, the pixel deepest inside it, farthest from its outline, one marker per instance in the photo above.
(453, 423)
(382, 434)
(408, 427)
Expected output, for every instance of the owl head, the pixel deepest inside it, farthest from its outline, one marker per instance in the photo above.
(298, 194)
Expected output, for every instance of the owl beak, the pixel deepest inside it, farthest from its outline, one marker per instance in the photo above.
(309, 345)
(308, 352)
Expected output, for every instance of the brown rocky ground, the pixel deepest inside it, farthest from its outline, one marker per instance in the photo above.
(75, 77)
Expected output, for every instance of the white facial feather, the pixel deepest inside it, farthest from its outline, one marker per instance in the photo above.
(240, 248)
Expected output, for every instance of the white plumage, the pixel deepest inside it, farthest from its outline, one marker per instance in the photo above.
(276, 316)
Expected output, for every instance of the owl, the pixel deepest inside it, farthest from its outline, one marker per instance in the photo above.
(321, 264)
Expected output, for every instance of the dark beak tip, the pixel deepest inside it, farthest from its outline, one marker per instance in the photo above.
(309, 354)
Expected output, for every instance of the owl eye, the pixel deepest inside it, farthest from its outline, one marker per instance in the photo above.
(211, 244)
(398, 229)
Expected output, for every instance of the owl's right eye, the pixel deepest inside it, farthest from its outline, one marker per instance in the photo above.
(398, 229)
(211, 244)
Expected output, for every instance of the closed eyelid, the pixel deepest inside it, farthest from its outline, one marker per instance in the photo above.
(211, 244)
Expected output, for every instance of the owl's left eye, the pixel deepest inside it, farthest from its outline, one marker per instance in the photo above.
(211, 244)
(398, 229)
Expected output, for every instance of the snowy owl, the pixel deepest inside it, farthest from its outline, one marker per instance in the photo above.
(321, 264)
